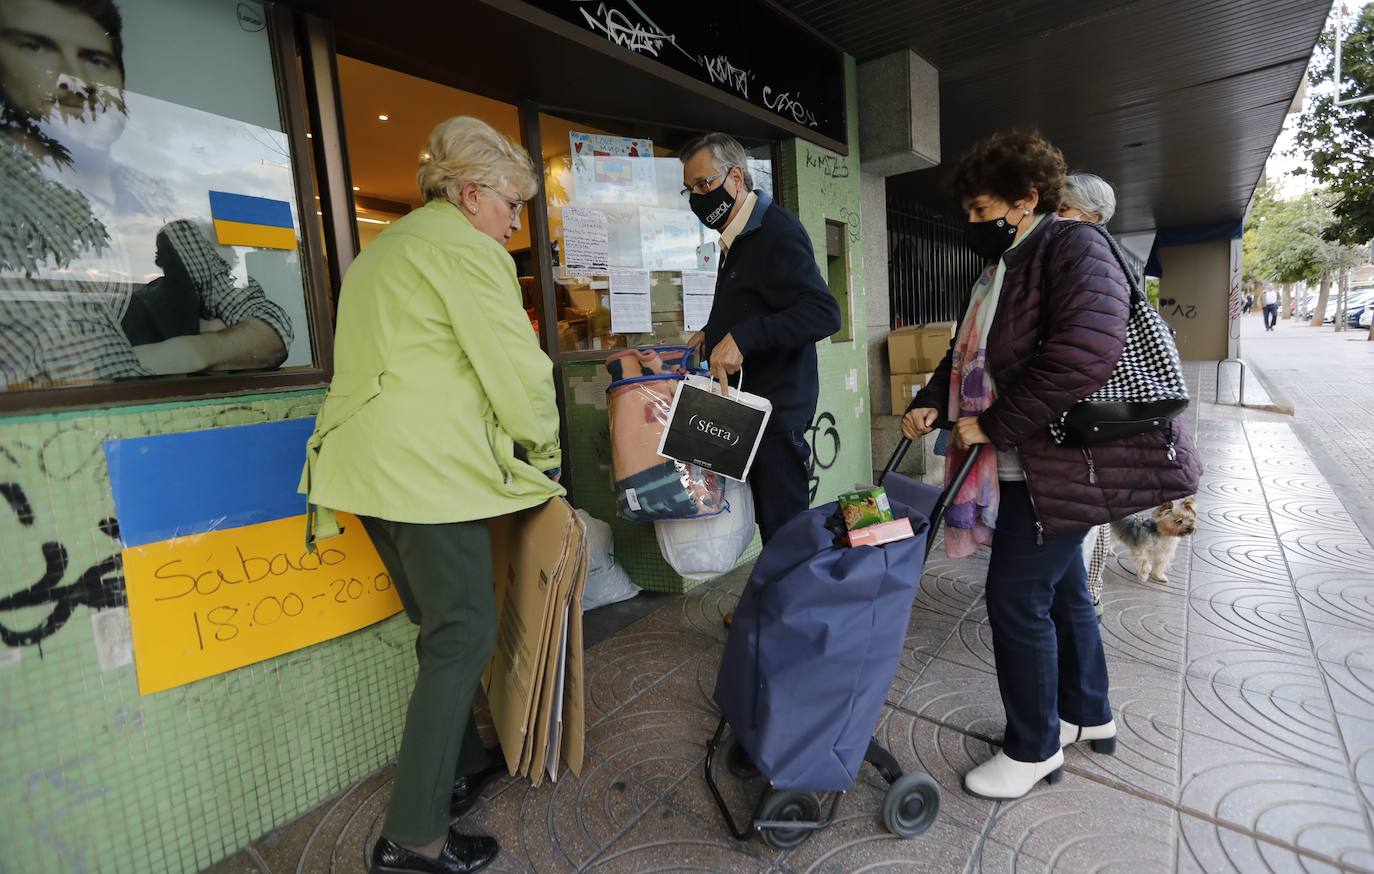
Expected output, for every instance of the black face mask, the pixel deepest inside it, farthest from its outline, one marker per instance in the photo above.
(713, 207)
(990, 239)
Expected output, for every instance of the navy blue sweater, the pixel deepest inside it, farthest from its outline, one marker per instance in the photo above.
(771, 298)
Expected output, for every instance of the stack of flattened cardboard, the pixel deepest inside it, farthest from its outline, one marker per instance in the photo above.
(534, 681)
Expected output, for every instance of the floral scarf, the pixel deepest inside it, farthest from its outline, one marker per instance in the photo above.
(972, 512)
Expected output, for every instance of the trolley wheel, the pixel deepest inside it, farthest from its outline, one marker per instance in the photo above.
(737, 761)
(911, 805)
(787, 807)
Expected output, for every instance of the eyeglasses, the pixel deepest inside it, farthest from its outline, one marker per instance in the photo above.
(704, 186)
(515, 205)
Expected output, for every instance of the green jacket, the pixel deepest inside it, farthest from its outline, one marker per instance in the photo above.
(437, 376)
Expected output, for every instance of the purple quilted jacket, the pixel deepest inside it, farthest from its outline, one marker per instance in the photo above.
(1085, 303)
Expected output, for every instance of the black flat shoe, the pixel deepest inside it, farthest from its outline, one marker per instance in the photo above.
(462, 854)
(467, 789)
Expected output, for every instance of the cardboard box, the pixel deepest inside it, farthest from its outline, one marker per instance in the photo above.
(539, 562)
(904, 388)
(918, 349)
(877, 535)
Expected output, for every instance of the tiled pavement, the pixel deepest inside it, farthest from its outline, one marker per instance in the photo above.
(1244, 692)
(1328, 380)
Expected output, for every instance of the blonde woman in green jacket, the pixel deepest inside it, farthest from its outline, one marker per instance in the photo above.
(440, 416)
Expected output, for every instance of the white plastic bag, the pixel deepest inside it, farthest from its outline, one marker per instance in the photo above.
(703, 549)
(607, 582)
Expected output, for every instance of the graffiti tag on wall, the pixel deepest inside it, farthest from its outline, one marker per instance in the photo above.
(99, 586)
(824, 439)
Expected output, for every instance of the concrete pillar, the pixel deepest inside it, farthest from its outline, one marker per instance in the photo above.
(899, 132)
(1194, 297)
(886, 431)
(899, 114)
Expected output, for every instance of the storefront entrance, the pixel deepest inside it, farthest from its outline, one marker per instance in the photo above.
(609, 256)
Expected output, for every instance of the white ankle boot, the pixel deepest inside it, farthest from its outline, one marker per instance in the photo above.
(1003, 777)
(1103, 737)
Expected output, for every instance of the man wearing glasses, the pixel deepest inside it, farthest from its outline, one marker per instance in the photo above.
(770, 310)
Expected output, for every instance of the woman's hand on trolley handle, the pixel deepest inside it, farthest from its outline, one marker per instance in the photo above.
(967, 432)
(919, 422)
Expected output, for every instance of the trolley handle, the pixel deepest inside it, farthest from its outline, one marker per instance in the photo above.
(904, 444)
(938, 511)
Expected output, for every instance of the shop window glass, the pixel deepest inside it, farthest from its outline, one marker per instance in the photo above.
(625, 242)
(149, 223)
(383, 154)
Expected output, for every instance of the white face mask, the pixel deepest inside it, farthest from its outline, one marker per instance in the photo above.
(1080, 216)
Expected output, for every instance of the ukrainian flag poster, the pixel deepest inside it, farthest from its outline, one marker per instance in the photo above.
(215, 563)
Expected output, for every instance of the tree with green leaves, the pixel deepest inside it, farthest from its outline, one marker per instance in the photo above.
(1338, 141)
(1287, 241)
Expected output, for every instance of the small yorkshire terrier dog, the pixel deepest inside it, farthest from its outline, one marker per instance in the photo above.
(1153, 538)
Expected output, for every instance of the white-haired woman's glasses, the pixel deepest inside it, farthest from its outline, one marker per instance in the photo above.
(514, 203)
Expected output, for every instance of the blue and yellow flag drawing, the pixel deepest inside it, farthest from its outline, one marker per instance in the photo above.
(215, 563)
(242, 220)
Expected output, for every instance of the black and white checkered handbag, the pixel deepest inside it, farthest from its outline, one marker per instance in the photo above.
(1146, 389)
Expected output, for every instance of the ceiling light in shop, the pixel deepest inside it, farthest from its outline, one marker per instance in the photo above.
(356, 188)
(383, 118)
(371, 221)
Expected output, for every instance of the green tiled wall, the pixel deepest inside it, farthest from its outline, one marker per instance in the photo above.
(817, 184)
(95, 778)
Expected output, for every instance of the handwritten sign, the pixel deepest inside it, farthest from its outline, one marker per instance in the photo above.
(609, 169)
(212, 602)
(587, 247)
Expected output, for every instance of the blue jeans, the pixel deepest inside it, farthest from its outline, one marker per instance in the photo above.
(1045, 635)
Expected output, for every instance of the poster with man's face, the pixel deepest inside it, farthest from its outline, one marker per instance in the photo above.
(148, 222)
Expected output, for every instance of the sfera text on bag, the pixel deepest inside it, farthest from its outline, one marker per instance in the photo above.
(706, 426)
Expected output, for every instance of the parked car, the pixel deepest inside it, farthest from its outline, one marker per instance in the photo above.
(1356, 300)
(1354, 305)
(1366, 317)
(1360, 304)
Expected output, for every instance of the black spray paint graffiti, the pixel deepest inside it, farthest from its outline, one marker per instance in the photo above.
(821, 460)
(1171, 307)
(851, 218)
(99, 586)
(833, 166)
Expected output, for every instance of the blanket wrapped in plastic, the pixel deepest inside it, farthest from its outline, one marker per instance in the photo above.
(649, 487)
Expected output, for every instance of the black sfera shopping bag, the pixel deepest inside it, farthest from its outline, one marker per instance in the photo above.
(717, 433)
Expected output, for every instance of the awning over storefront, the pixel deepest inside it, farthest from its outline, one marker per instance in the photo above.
(756, 72)
(1177, 102)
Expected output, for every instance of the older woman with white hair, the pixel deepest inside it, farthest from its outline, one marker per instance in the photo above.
(1088, 198)
(440, 416)
(1091, 198)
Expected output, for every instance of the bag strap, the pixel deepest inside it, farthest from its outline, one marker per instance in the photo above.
(1136, 294)
(714, 381)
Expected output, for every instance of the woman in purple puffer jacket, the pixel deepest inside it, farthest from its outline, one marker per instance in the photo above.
(1044, 328)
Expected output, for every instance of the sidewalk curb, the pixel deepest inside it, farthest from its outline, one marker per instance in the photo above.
(1279, 402)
